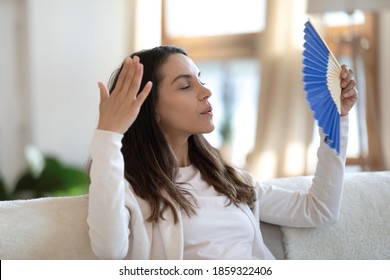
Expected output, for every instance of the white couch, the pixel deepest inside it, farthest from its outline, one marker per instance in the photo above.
(55, 228)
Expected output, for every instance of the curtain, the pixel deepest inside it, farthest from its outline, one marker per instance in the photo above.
(285, 123)
(384, 91)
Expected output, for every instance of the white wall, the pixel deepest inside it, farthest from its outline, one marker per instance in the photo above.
(51, 59)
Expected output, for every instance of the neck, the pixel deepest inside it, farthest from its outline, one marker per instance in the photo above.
(180, 149)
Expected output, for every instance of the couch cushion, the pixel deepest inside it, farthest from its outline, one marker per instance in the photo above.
(363, 229)
(45, 228)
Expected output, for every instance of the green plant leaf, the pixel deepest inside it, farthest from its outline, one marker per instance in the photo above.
(55, 179)
(3, 192)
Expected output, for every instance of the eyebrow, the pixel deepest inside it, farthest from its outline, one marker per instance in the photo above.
(184, 76)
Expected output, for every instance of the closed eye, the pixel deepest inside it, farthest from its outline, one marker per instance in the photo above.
(199, 79)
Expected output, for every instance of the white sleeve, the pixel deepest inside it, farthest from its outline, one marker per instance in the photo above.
(108, 218)
(321, 204)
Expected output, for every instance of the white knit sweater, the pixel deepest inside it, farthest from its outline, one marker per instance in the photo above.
(117, 217)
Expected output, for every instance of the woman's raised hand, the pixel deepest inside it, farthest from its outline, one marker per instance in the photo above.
(118, 110)
(348, 92)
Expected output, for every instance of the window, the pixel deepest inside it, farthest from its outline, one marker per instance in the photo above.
(226, 53)
(222, 36)
(212, 18)
(235, 88)
(352, 39)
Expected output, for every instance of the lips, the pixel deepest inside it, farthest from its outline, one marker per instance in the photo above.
(208, 111)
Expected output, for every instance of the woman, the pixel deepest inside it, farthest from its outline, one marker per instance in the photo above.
(160, 191)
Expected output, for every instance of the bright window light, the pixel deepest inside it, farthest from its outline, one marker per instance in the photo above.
(216, 17)
(235, 89)
(343, 18)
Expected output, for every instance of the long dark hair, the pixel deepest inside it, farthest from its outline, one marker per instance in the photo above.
(150, 165)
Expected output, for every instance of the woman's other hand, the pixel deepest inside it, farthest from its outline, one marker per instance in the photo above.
(348, 90)
(118, 110)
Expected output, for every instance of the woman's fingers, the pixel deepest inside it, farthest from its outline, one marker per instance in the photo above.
(103, 92)
(122, 75)
(119, 109)
(348, 83)
(349, 92)
(130, 75)
(136, 83)
(346, 75)
(129, 79)
(144, 93)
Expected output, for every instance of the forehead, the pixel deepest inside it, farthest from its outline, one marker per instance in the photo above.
(178, 64)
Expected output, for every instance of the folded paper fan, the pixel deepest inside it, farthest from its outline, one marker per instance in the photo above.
(321, 76)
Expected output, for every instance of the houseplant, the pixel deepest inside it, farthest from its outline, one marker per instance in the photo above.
(46, 175)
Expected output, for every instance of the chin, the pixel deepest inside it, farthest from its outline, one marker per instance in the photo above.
(211, 129)
(205, 129)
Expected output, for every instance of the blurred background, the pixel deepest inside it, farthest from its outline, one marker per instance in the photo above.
(53, 53)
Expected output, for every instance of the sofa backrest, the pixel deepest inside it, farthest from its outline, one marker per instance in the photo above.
(56, 228)
(363, 228)
(45, 228)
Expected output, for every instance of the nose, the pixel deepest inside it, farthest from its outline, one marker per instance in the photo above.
(205, 93)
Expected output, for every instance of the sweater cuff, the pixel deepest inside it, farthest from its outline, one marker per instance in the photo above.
(107, 139)
(344, 131)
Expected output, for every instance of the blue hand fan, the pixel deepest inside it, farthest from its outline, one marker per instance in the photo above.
(321, 76)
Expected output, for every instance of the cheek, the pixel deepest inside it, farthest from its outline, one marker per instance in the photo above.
(167, 118)
(166, 111)
(175, 107)
(176, 115)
